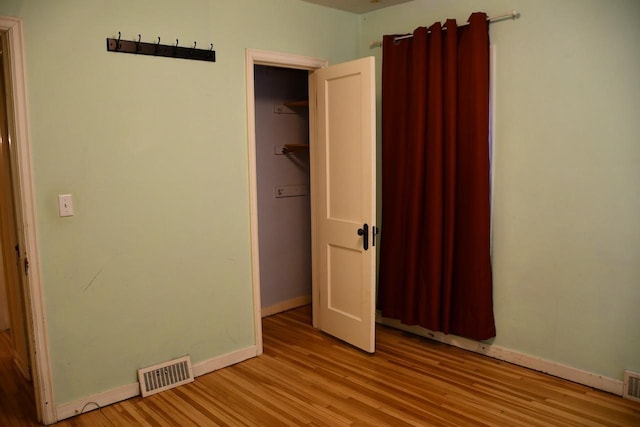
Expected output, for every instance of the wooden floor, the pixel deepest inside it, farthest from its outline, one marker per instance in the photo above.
(17, 405)
(308, 378)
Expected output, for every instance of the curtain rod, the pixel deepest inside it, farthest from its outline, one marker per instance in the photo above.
(514, 14)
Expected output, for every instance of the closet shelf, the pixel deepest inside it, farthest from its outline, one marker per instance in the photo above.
(297, 104)
(295, 148)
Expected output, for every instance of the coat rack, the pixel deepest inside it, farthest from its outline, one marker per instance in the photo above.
(157, 49)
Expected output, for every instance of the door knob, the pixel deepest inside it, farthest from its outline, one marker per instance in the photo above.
(364, 232)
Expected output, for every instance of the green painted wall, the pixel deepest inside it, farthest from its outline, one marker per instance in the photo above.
(566, 225)
(155, 263)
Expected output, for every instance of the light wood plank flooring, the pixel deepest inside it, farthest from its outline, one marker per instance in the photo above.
(308, 378)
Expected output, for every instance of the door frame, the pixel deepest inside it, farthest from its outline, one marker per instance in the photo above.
(283, 60)
(5, 322)
(36, 323)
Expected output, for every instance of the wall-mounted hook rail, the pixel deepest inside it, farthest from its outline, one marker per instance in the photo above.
(157, 49)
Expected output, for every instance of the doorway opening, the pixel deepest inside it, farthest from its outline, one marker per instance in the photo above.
(287, 65)
(14, 338)
(283, 187)
(342, 193)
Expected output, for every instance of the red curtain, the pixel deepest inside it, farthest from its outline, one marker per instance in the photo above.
(435, 266)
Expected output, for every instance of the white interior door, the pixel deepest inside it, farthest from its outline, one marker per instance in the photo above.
(344, 208)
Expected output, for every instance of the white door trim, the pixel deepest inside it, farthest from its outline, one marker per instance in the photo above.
(275, 59)
(41, 365)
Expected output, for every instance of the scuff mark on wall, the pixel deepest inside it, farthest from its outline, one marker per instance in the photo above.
(92, 280)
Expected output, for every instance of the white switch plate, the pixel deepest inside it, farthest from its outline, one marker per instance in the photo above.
(65, 204)
(290, 191)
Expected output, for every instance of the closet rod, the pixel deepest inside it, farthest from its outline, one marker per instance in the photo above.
(514, 14)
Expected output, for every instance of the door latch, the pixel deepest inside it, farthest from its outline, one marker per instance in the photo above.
(364, 232)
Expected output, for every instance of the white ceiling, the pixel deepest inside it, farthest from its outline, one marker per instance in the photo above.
(357, 6)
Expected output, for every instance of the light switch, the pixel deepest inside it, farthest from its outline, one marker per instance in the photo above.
(65, 204)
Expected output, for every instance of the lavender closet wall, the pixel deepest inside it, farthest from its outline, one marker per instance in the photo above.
(283, 222)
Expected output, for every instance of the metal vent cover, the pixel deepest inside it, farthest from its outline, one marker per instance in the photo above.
(164, 376)
(631, 389)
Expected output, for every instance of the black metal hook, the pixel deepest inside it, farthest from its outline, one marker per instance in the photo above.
(194, 45)
(176, 42)
(118, 42)
(138, 44)
(211, 47)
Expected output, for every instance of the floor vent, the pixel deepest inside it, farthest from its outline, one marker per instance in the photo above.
(631, 386)
(164, 376)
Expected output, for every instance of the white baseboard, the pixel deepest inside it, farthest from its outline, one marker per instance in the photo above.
(285, 305)
(128, 391)
(223, 361)
(610, 385)
(97, 401)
